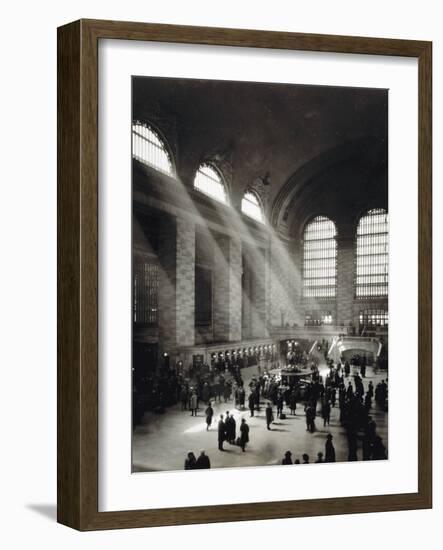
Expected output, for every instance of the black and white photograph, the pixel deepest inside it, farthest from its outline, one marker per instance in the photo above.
(219, 300)
(260, 259)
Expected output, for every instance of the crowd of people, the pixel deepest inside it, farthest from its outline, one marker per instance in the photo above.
(338, 389)
(200, 463)
(354, 405)
(309, 392)
(329, 455)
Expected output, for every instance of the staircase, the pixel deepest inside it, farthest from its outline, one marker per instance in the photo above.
(350, 345)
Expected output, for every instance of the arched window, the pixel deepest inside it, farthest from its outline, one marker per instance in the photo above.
(371, 273)
(250, 205)
(209, 181)
(320, 259)
(149, 148)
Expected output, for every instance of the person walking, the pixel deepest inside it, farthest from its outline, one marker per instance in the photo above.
(227, 391)
(221, 433)
(279, 403)
(193, 403)
(251, 403)
(269, 416)
(241, 397)
(368, 402)
(184, 398)
(349, 391)
(244, 434)
(329, 449)
(206, 393)
(333, 396)
(363, 368)
(230, 426)
(326, 412)
(209, 414)
(310, 418)
(293, 402)
(352, 444)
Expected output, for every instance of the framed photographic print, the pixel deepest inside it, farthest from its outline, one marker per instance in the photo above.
(244, 275)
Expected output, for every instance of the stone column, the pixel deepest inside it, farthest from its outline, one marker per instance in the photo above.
(246, 302)
(258, 294)
(176, 306)
(345, 278)
(185, 266)
(227, 298)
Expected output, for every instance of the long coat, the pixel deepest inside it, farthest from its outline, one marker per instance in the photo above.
(252, 400)
(203, 462)
(193, 401)
(209, 414)
(244, 433)
(221, 430)
(230, 428)
(241, 397)
(330, 452)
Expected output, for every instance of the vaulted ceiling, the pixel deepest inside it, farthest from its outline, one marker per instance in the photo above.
(304, 143)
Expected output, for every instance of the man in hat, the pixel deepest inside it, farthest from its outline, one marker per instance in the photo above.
(287, 459)
(190, 462)
(209, 414)
(329, 449)
(203, 461)
(221, 433)
(244, 434)
(230, 427)
(269, 415)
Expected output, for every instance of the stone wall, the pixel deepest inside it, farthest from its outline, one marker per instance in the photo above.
(227, 299)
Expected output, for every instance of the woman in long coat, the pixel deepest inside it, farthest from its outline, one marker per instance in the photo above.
(193, 403)
(209, 414)
(269, 416)
(206, 392)
(293, 402)
(221, 433)
(230, 426)
(244, 434)
(326, 412)
(241, 398)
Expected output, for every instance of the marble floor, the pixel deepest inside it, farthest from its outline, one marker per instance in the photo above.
(162, 441)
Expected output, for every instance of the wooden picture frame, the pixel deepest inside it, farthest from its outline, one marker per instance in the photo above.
(78, 274)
